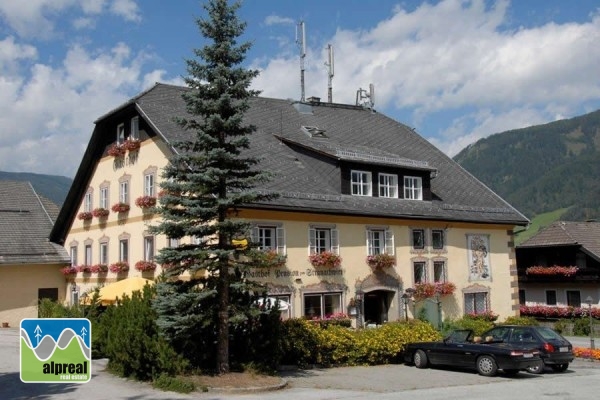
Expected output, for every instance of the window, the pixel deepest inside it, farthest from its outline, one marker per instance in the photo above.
(88, 254)
(104, 253)
(573, 298)
(87, 202)
(413, 188)
(148, 248)
(380, 241)
(476, 302)
(120, 133)
(124, 250)
(73, 253)
(418, 238)
(323, 239)
(104, 197)
(269, 237)
(361, 183)
(149, 185)
(439, 271)
(135, 128)
(419, 272)
(173, 243)
(124, 192)
(284, 299)
(388, 185)
(522, 298)
(437, 239)
(322, 305)
(551, 297)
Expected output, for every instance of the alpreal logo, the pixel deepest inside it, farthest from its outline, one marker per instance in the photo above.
(56, 350)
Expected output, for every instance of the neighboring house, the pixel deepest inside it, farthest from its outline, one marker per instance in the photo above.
(352, 183)
(560, 265)
(29, 262)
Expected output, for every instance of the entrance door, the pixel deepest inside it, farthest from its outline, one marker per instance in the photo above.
(377, 305)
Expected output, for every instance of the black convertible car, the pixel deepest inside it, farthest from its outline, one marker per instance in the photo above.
(462, 349)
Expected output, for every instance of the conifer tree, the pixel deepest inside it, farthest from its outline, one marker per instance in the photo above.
(205, 181)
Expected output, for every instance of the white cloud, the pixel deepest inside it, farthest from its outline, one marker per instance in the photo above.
(277, 20)
(127, 9)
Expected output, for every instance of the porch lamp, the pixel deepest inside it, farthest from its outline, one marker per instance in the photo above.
(405, 299)
(589, 302)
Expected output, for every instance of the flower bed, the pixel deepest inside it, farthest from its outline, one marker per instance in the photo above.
(381, 261)
(120, 266)
(552, 271)
(587, 353)
(145, 201)
(558, 312)
(100, 212)
(120, 207)
(325, 259)
(85, 216)
(145, 266)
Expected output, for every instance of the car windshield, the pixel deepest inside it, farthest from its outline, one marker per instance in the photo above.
(459, 336)
(548, 334)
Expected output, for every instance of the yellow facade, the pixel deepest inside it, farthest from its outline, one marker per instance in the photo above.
(299, 280)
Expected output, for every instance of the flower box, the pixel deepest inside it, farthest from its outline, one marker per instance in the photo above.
(84, 269)
(100, 212)
(145, 266)
(426, 290)
(85, 216)
(99, 268)
(116, 150)
(325, 259)
(68, 271)
(120, 266)
(552, 271)
(267, 258)
(120, 207)
(132, 144)
(145, 201)
(381, 261)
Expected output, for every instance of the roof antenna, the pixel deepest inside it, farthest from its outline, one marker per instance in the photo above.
(329, 65)
(301, 41)
(365, 99)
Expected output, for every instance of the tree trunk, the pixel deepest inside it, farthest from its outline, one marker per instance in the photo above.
(223, 335)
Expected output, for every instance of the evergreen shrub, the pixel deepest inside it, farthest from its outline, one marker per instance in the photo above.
(513, 320)
(477, 325)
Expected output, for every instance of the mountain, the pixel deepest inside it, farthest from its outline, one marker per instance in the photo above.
(52, 187)
(543, 168)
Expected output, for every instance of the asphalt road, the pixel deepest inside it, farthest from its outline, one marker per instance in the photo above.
(581, 381)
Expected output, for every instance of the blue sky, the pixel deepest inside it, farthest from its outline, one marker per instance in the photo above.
(456, 70)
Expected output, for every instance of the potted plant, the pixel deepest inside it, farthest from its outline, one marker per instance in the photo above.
(426, 290)
(99, 268)
(325, 259)
(119, 266)
(84, 269)
(445, 288)
(381, 261)
(85, 216)
(145, 201)
(552, 271)
(120, 207)
(145, 266)
(131, 144)
(267, 258)
(116, 150)
(68, 271)
(100, 212)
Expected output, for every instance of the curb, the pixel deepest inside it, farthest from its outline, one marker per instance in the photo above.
(250, 389)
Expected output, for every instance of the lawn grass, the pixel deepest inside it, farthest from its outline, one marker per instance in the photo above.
(538, 222)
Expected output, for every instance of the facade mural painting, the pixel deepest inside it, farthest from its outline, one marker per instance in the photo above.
(478, 256)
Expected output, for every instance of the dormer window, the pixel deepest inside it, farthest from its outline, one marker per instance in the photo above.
(388, 185)
(413, 188)
(120, 133)
(361, 183)
(135, 128)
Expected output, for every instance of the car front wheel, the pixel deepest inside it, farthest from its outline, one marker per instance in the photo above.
(560, 367)
(486, 366)
(537, 369)
(420, 359)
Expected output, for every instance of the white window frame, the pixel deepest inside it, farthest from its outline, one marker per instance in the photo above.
(323, 239)
(388, 185)
(269, 237)
(124, 192)
(73, 254)
(149, 185)
(88, 202)
(104, 197)
(380, 240)
(103, 253)
(135, 128)
(336, 297)
(360, 183)
(413, 188)
(124, 250)
(149, 248)
(88, 254)
(120, 133)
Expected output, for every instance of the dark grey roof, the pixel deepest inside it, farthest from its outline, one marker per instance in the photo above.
(25, 224)
(565, 233)
(311, 181)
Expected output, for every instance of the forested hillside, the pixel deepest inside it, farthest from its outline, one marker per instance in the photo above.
(52, 187)
(543, 168)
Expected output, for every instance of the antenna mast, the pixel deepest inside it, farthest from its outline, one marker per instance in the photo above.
(301, 41)
(330, 73)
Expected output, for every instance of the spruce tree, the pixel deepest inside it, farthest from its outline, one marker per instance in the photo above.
(204, 183)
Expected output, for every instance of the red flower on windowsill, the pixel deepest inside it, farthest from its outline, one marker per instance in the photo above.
(145, 201)
(100, 212)
(84, 269)
(67, 271)
(116, 150)
(99, 268)
(381, 261)
(145, 266)
(119, 266)
(426, 290)
(325, 259)
(85, 216)
(132, 144)
(120, 207)
(554, 270)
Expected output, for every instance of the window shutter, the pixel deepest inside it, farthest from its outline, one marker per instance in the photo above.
(312, 241)
(254, 234)
(370, 251)
(389, 242)
(335, 246)
(280, 241)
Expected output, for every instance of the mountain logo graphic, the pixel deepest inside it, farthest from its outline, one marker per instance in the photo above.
(55, 350)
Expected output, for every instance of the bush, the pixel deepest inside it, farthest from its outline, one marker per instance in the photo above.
(521, 321)
(477, 325)
(581, 327)
(560, 326)
(173, 384)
